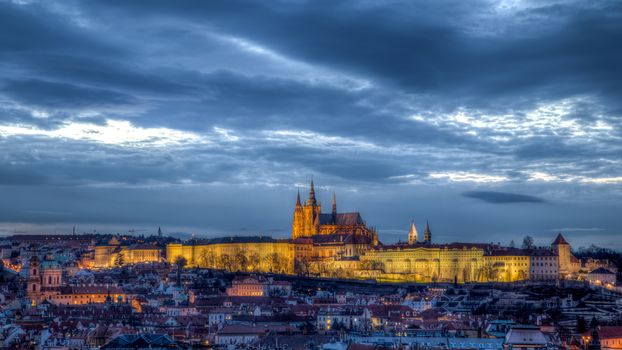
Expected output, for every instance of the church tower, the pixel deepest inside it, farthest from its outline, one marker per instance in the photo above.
(427, 234)
(311, 214)
(34, 279)
(413, 236)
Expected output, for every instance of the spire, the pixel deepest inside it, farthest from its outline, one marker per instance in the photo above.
(298, 199)
(312, 194)
(413, 235)
(159, 231)
(334, 208)
(427, 234)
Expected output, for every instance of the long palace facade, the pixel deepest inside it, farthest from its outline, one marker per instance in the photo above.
(342, 245)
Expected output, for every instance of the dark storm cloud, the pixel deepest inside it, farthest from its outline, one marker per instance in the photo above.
(424, 48)
(402, 107)
(502, 197)
(61, 95)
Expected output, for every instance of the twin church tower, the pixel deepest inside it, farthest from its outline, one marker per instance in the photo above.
(413, 236)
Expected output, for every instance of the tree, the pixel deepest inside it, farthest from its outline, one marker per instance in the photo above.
(240, 261)
(527, 242)
(581, 325)
(273, 261)
(180, 262)
(488, 273)
(254, 260)
(119, 260)
(206, 258)
(302, 266)
(226, 262)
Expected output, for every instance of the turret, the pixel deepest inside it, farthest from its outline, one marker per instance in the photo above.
(562, 248)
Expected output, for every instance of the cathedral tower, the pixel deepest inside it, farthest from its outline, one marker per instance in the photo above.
(298, 224)
(427, 234)
(413, 236)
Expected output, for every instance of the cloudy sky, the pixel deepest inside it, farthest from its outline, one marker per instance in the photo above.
(491, 119)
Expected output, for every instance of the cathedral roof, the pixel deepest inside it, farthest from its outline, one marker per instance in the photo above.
(346, 219)
(560, 240)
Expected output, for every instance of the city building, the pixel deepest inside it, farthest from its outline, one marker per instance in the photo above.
(114, 254)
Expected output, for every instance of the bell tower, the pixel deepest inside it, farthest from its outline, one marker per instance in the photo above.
(413, 236)
(34, 279)
(427, 234)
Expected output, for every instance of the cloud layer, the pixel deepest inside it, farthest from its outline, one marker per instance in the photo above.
(413, 105)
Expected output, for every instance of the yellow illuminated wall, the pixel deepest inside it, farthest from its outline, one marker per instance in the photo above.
(277, 256)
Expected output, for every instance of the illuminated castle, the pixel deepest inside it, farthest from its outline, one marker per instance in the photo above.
(342, 245)
(309, 220)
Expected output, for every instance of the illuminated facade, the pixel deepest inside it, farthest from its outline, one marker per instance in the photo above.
(342, 245)
(262, 254)
(114, 254)
(461, 262)
(309, 220)
(88, 294)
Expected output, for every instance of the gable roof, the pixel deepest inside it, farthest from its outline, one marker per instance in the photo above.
(141, 341)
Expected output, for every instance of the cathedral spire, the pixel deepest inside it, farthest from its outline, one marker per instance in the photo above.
(427, 235)
(334, 207)
(312, 194)
(298, 199)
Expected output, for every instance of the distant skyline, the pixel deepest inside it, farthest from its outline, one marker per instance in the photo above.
(491, 119)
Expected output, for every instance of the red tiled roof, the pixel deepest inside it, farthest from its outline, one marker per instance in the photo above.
(560, 240)
(609, 332)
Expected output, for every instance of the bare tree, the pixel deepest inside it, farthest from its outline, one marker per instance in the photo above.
(207, 258)
(254, 260)
(119, 260)
(240, 260)
(527, 242)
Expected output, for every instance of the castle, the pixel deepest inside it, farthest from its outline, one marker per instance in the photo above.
(342, 245)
